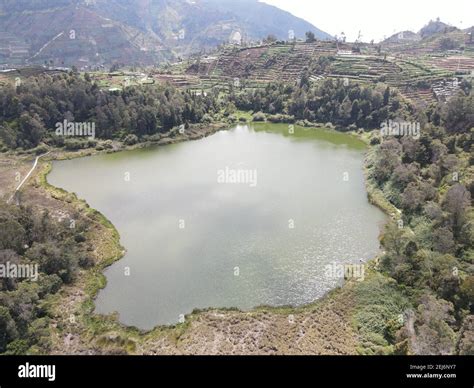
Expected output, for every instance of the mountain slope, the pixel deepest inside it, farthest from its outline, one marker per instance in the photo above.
(75, 35)
(94, 32)
(194, 25)
(433, 29)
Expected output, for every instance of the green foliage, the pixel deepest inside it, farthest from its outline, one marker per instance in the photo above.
(259, 116)
(31, 112)
(131, 139)
(8, 330)
(434, 326)
(379, 316)
(429, 252)
(30, 237)
(18, 347)
(328, 101)
(458, 113)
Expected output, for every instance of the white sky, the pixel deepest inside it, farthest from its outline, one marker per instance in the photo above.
(378, 18)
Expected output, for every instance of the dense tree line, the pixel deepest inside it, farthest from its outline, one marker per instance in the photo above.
(340, 103)
(29, 113)
(59, 249)
(429, 251)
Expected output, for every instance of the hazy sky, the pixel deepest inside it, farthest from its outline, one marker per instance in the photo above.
(377, 18)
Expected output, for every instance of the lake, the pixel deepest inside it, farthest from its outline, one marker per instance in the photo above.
(254, 215)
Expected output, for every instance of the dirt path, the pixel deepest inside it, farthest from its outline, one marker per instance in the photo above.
(26, 177)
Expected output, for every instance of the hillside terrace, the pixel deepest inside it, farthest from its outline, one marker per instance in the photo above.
(414, 76)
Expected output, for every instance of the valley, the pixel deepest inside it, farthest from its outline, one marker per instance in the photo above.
(304, 119)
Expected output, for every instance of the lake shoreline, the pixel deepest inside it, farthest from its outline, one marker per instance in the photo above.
(95, 279)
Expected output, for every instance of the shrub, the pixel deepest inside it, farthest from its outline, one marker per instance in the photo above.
(108, 145)
(86, 261)
(207, 119)
(40, 150)
(131, 139)
(259, 116)
(74, 144)
(280, 118)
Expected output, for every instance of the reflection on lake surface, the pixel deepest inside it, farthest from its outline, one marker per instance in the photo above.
(246, 217)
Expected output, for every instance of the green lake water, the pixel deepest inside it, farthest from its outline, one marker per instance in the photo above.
(246, 217)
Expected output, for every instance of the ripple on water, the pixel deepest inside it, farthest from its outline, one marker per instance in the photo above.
(228, 227)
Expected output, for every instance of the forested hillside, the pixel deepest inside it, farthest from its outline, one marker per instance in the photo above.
(30, 237)
(29, 113)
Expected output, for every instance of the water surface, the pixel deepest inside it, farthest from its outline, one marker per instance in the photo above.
(196, 238)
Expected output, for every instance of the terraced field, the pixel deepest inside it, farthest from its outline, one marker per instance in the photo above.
(454, 63)
(257, 66)
(422, 79)
(422, 76)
